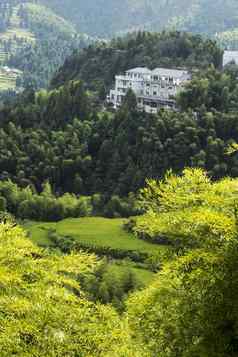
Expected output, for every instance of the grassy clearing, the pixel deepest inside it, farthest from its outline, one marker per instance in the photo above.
(101, 232)
(39, 232)
(95, 231)
(143, 275)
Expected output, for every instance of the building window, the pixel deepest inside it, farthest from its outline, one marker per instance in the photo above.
(154, 93)
(156, 78)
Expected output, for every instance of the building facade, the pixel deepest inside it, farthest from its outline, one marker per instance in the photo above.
(229, 57)
(154, 89)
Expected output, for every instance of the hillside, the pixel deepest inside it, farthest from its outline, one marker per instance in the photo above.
(98, 64)
(35, 40)
(76, 278)
(61, 136)
(107, 17)
(77, 304)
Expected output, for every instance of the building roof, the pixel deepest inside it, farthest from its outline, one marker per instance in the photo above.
(230, 56)
(142, 70)
(165, 72)
(175, 73)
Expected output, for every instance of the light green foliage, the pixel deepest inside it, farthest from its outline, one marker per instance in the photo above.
(113, 281)
(189, 210)
(228, 39)
(43, 311)
(39, 17)
(190, 309)
(180, 311)
(232, 148)
(25, 203)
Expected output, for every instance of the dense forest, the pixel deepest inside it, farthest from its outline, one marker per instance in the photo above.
(62, 135)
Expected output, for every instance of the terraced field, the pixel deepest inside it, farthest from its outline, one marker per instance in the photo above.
(102, 232)
(15, 30)
(94, 231)
(7, 82)
(3, 56)
(10, 41)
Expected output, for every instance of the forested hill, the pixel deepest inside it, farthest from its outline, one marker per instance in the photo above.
(60, 137)
(35, 40)
(107, 17)
(99, 63)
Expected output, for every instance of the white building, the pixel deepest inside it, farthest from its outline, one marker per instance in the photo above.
(230, 56)
(154, 89)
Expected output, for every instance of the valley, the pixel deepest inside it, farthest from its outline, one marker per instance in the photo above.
(118, 178)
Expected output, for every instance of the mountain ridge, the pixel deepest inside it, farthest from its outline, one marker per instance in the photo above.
(108, 17)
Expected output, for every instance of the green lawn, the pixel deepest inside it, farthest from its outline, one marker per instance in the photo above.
(144, 276)
(100, 232)
(39, 232)
(95, 231)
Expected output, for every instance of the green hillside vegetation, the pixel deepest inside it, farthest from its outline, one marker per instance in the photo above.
(129, 263)
(15, 34)
(228, 39)
(36, 41)
(40, 18)
(59, 136)
(45, 310)
(98, 64)
(12, 38)
(105, 18)
(193, 297)
(54, 304)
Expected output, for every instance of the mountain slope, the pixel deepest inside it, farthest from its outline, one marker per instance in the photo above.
(107, 17)
(98, 64)
(35, 40)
